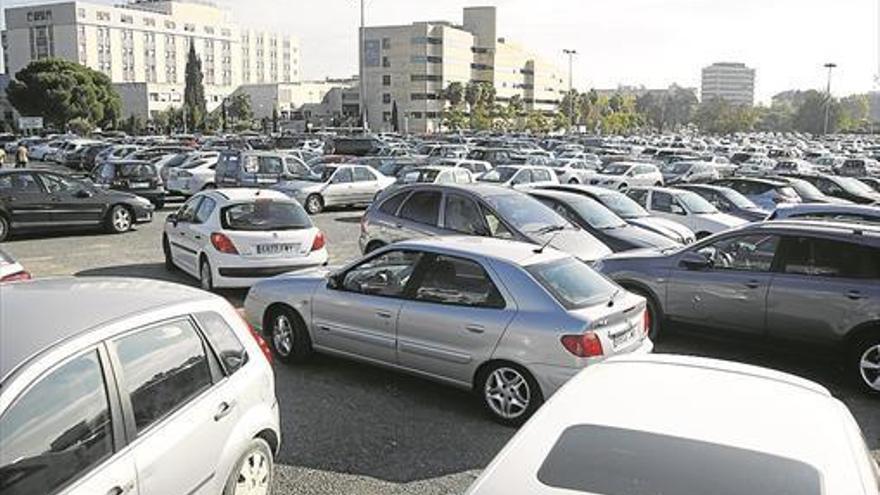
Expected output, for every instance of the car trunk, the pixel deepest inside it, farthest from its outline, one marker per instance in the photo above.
(619, 322)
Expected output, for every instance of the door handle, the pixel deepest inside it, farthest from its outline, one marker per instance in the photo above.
(475, 328)
(384, 314)
(120, 490)
(753, 284)
(197, 237)
(855, 295)
(398, 225)
(223, 410)
(183, 234)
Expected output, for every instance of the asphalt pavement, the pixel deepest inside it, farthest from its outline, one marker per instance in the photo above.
(353, 428)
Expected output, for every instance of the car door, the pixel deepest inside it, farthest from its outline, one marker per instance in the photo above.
(664, 205)
(72, 202)
(183, 246)
(522, 179)
(198, 234)
(823, 289)
(419, 216)
(452, 319)
(180, 412)
(730, 291)
(340, 188)
(356, 312)
(25, 199)
(64, 433)
(366, 185)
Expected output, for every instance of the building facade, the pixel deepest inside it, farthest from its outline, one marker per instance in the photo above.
(142, 46)
(731, 82)
(410, 66)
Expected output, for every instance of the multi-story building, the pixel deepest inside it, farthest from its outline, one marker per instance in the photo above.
(410, 66)
(142, 46)
(731, 82)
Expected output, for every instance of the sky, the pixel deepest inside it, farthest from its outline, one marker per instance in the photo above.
(619, 42)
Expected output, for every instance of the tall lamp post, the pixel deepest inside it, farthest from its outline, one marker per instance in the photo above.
(830, 66)
(571, 54)
(363, 82)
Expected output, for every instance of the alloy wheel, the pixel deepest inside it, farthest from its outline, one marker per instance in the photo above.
(282, 335)
(507, 393)
(869, 365)
(122, 219)
(253, 476)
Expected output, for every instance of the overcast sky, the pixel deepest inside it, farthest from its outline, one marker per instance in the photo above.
(633, 42)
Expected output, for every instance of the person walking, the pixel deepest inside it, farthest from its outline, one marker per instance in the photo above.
(21, 156)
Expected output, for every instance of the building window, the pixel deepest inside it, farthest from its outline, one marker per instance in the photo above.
(209, 30)
(386, 43)
(150, 57)
(386, 98)
(386, 62)
(190, 28)
(42, 40)
(415, 115)
(103, 16)
(81, 44)
(426, 40)
(225, 32)
(170, 25)
(127, 55)
(104, 59)
(432, 115)
(39, 15)
(421, 59)
(126, 19)
(426, 78)
(81, 13)
(170, 59)
(149, 21)
(386, 80)
(424, 96)
(386, 116)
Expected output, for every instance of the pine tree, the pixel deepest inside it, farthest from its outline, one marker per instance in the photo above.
(194, 93)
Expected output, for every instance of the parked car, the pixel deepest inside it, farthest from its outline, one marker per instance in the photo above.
(237, 168)
(571, 170)
(481, 210)
(475, 167)
(141, 387)
(519, 176)
(848, 188)
(192, 177)
(714, 427)
(828, 212)
(600, 222)
(623, 175)
(11, 270)
(728, 201)
(135, 177)
(37, 200)
(90, 154)
(632, 212)
(757, 166)
(687, 172)
(859, 167)
(45, 150)
(766, 193)
(793, 167)
(501, 318)
(495, 156)
(338, 185)
(432, 174)
(115, 152)
(872, 182)
(234, 237)
(807, 191)
(684, 207)
(790, 281)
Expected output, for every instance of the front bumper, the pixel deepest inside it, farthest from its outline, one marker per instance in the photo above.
(143, 213)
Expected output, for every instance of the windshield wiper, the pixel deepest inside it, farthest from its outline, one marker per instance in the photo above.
(549, 229)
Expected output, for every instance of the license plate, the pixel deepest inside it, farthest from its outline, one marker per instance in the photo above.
(140, 185)
(277, 248)
(622, 338)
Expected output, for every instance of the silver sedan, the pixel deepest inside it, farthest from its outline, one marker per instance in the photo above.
(506, 319)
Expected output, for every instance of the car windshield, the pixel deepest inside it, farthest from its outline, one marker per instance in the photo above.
(572, 283)
(499, 175)
(739, 200)
(806, 190)
(695, 203)
(525, 213)
(854, 185)
(596, 214)
(326, 174)
(679, 168)
(424, 175)
(135, 170)
(623, 205)
(616, 169)
(265, 215)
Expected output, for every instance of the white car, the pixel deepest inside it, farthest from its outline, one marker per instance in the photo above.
(758, 166)
(662, 424)
(476, 167)
(233, 238)
(623, 175)
(572, 170)
(192, 177)
(142, 387)
(685, 207)
(41, 151)
(520, 176)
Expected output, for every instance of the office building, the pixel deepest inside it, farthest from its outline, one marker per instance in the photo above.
(410, 66)
(731, 82)
(142, 46)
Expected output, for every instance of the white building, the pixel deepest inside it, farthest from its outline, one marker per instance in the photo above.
(142, 46)
(731, 82)
(411, 65)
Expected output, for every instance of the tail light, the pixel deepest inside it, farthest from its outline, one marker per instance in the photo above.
(584, 345)
(364, 224)
(319, 241)
(646, 323)
(16, 277)
(264, 346)
(223, 244)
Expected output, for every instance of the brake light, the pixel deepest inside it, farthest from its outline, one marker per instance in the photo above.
(319, 241)
(264, 346)
(223, 244)
(584, 345)
(646, 323)
(16, 277)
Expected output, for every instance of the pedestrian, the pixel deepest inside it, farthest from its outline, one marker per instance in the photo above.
(21, 156)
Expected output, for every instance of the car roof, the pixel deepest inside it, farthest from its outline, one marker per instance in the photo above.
(769, 182)
(38, 314)
(477, 188)
(830, 208)
(568, 196)
(670, 190)
(850, 231)
(514, 252)
(245, 194)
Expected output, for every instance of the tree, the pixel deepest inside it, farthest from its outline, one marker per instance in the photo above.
(454, 94)
(59, 91)
(810, 116)
(194, 92)
(717, 116)
(80, 126)
(133, 125)
(855, 112)
(239, 107)
(275, 120)
(395, 125)
(473, 94)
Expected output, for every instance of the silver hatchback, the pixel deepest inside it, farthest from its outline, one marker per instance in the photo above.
(506, 319)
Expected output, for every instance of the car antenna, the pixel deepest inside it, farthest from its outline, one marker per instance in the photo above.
(541, 249)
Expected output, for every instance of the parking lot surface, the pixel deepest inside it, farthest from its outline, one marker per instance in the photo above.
(353, 428)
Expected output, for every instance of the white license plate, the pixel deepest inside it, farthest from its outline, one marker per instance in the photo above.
(140, 185)
(623, 337)
(277, 248)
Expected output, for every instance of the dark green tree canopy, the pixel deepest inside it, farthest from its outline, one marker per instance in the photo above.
(194, 92)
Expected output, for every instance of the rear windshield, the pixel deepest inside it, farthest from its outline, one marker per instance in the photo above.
(135, 171)
(572, 282)
(264, 215)
(600, 459)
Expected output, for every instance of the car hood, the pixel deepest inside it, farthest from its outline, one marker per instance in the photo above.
(636, 254)
(751, 214)
(640, 237)
(721, 219)
(575, 242)
(664, 227)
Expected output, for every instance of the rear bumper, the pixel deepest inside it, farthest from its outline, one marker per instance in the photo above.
(262, 272)
(237, 272)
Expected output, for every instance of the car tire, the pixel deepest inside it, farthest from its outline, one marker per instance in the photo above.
(253, 472)
(573, 181)
(658, 184)
(372, 246)
(206, 279)
(502, 381)
(119, 219)
(864, 361)
(288, 336)
(314, 204)
(655, 316)
(5, 232)
(169, 258)
(622, 187)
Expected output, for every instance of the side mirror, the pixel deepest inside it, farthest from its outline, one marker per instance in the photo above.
(695, 261)
(334, 282)
(172, 218)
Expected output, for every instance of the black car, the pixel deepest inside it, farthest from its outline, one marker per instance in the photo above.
(32, 200)
(728, 201)
(89, 154)
(135, 177)
(848, 188)
(601, 222)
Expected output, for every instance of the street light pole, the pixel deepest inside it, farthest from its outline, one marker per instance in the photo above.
(571, 54)
(830, 66)
(363, 81)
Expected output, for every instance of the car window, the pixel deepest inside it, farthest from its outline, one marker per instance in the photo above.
(163, 368)
(422, 207)
(264, 215)
(463, 215)
(19, 183)
(541, 176)
(497, 228)
(458, 282)
(391, 205)
(661, 201)
(749, 253)
(640, 196)
(829, 258)
(57, 431)
(226, 345)
(571, 282)
(56, 183)
(203, 213)
(361, 174)
(385, 275)
(271, 165)
(342, 176)
(522, 177)
(187, 212)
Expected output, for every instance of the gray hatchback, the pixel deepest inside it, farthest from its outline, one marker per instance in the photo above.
(797, 281)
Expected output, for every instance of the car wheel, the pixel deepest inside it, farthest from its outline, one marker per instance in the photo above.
(865, 359)
(253, 473)
(119, 219)
(206, 280)
(655, 318)
(573, 181)
(4, 228)
(288, 336)
(314, 204)
(622, 187)
(166, 249)
(373, 246)
(509, 393)
(208, 187)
